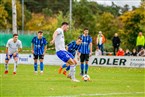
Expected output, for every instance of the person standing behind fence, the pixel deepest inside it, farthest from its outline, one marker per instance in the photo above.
(140, 41)
(116, 43)
(39, 47)
(100, 40)
(13, 47)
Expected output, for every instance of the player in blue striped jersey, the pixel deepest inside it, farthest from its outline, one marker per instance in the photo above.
(85, 51)
(39, 47)
(72, 47)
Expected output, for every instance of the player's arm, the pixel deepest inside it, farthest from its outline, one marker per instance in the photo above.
(6, 50)
(66, 47)
(54, 36)
(91, 48)
(45, 48)
(32, 48)
(20, 48)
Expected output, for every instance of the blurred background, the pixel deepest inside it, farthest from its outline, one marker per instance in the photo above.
(125, 17)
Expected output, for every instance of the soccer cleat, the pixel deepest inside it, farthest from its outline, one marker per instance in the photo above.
(69, 76)
(60, 70)
(6, 72)
(64, 72)
(75, 80)
(81, 74)
(14, 73)
(35, 72)
(41, 72)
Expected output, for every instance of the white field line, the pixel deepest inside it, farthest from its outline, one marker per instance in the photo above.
(99, 94)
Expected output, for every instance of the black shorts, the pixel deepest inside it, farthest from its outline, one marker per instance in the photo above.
(38, 56)
(84, 57)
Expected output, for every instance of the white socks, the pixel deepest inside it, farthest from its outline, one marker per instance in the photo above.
(6, 66)
(72, 72)
(15, 66)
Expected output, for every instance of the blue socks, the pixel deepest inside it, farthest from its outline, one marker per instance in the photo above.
(41, 66)
(68, 68)
(35, 66)
(82, 68)
(86, 68)
(64, 65)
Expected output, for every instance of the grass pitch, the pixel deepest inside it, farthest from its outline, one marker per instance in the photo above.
(105, 82)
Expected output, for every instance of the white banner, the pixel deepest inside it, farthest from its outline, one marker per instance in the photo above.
(122, 61)
(112, 61)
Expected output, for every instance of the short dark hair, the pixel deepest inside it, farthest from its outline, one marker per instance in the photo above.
(15, 35)
(64, 23)
(86, 29)
(40, 32)
(80, 38)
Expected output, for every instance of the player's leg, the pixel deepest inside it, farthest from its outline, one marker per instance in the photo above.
(64, 56)
(82, 58)
(72, 69)
(61, 67)
(86, 63)
(41, 57)
(35, 64)
(6, 63)
(15, 62)
(73, 64)
(68, 67)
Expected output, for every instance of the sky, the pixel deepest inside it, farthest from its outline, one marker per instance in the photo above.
(119, 2)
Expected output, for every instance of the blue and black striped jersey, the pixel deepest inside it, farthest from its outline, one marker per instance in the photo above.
(85, 46)
(72, 47)
(39, 45)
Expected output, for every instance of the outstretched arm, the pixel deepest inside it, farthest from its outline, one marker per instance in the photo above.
(54, 36)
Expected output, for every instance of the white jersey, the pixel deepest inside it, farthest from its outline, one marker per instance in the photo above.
(59, 40)
(13, 47)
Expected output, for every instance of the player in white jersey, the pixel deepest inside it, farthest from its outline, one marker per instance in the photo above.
(13, 47)
(62, 53)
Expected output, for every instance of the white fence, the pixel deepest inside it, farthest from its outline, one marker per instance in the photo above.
(110, 61)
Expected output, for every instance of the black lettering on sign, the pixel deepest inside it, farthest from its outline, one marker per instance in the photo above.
(102, 61)
(115, 62)
(122, 61)
(108, 61)
(95, 61)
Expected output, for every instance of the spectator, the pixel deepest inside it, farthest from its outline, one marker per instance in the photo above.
(98, 51)
(134, 53)
(120, 52)
(140, 41)
(127, 52)
(141, 52)
(100, 40)
(116, 43)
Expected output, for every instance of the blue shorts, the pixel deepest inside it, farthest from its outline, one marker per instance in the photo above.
(64, 55)
(10, 56)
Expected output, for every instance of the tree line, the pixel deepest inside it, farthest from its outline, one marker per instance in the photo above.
(47, 15)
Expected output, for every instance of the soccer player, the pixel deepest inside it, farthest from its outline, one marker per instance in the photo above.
(85, 51)
(13, 47)
(61, 52)
(39, 47)
(72, 47)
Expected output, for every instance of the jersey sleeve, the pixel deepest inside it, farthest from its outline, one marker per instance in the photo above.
(70, 44)
(20, 44)
(33, 40)
(8, 43)
(90, 40)
(45, 41)
(58, 31)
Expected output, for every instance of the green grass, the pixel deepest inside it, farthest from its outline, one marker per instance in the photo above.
(105, 81)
